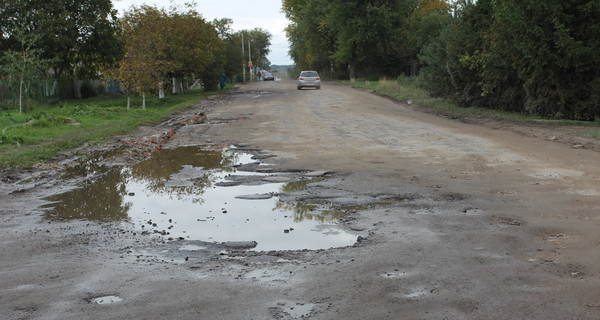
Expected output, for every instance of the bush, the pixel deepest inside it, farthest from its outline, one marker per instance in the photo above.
(87, 90)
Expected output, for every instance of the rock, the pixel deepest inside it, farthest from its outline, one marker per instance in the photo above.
(263, 156)
(228, 183)
(276, 179)
(316, 173)
(240, 244)
(263, 196)
(68, 120)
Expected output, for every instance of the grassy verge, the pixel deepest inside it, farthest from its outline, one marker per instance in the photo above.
(590, 134)
(405, 89)
(41, 134)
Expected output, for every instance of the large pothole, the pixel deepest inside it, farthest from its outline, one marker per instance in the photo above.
(199, 193)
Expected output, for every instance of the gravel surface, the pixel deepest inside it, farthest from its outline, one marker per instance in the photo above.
(454, 220)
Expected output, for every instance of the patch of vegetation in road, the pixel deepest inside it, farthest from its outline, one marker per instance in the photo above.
(47, 130)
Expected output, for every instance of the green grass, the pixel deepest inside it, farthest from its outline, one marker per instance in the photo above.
(405, 88)
(41, 134)
(590, 134)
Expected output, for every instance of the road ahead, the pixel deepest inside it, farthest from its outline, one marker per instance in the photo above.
(479, 223)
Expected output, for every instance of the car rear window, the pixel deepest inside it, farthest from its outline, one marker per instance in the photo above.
(309, 74)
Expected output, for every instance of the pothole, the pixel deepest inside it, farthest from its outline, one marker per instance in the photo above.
(105, 299)
(195, 193)
(393, 274)
(296, 310)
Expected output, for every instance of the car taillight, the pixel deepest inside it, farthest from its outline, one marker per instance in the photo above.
(318, 79)
(301, 78)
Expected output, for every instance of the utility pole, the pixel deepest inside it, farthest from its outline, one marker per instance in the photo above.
(250, 59)
(243, 62)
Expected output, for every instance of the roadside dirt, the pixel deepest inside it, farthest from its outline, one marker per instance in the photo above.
(485, 221)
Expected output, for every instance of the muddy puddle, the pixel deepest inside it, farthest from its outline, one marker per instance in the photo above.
(194, 193)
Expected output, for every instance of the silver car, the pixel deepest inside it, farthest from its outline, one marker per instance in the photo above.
(309, 79)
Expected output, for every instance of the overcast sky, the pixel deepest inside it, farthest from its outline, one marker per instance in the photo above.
(246, 14)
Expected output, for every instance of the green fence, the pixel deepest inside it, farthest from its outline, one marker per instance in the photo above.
(34, 92)
(51, 90)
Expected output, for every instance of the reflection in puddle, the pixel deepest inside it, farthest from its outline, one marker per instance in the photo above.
(177, 194)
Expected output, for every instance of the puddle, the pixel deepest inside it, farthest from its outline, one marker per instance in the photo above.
(393, 274)
(416, 293)
(197, 194)
(191, 248)
(106, 300)
(300, 310)
(295, 310)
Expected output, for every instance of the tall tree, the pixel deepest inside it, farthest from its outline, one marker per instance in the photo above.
(194, 46)
(553, 49)
(364, 36)
(314, 40)
(453, 61)
(144, 63)
(22, 64)
(77, 35)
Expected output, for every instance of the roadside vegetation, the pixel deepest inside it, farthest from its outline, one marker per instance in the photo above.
(410, 90)
(58, 61)
(530, 57)
(45, 132)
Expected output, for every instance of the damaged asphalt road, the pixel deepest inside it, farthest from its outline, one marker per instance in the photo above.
(429, 218)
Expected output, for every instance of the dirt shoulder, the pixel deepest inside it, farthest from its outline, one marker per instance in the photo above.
(478, 221)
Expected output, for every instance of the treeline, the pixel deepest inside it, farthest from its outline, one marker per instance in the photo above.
(147, 50)
(533, 57)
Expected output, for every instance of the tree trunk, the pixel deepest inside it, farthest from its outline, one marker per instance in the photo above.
(175, 85)
(161, 90)
(352, 69)
(77, 89)
(21, 97)
(128, 102)
(144, 101)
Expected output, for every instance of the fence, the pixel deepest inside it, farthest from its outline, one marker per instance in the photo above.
(51, 90)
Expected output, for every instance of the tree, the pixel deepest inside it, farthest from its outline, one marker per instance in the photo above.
(363, 36)
(260, 40)
(552, 47)
(314, 40)
(77, 36)
(24, 64)
(233, 58)
(193, 46)
(144, 63)
(454, 59)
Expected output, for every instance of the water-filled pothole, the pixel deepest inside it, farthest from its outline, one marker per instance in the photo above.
(197, 194)
(105, 300)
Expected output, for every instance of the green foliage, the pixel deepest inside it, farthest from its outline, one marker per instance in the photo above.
(525, 56)
(363, 37)
(553, 50)
(453, 59)
(26, 139)
(76, 36)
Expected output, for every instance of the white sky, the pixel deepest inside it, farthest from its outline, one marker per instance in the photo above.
(246, 14)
